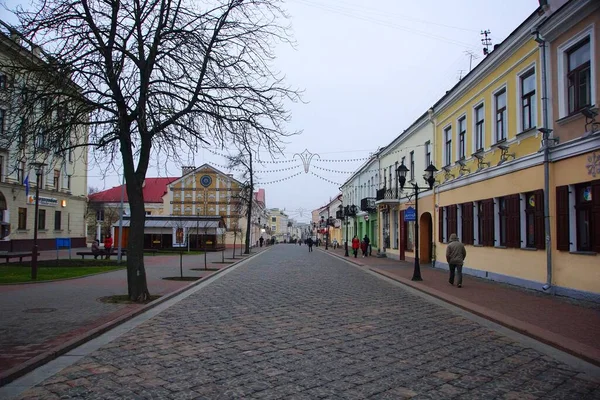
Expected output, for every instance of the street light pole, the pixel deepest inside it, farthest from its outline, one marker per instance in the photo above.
(430, 171)
(34, 256)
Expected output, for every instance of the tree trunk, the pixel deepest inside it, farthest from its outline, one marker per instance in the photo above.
(136, 273)
(249, 214)
(234, 238)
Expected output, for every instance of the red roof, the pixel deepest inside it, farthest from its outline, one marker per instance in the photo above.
(154, 190)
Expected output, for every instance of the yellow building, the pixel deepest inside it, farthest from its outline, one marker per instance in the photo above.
(498, 178)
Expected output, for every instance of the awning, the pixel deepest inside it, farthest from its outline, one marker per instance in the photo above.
(2, 202)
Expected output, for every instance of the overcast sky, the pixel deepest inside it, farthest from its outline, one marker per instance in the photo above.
(368, 70)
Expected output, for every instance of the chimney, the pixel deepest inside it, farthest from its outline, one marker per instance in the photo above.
(187, 169)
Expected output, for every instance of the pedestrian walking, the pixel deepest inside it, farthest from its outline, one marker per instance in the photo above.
(355, 245)
(261, 241)
(335, 243)
(108, 242)
(309, 242)
(455, 255)
(366, 243)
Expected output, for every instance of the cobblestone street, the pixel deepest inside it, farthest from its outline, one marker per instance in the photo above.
(289, 324)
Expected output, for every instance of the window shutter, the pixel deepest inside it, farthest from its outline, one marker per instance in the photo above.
(488, 238)
(441, 224)
(467, 223)
(451, 225)
(540, 228)
(562, 218)
(595, 222)
(514, 221)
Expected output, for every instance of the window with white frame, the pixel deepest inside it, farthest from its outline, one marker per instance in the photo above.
(448, 145)
(412, 165)
(577, 73)
(527, 86)
(579, 86)
(500, 112)
(427, 154)
(479, 128)
(462, 132)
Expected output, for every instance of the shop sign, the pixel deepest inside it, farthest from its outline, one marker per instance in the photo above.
(410, 215)
(44, 201)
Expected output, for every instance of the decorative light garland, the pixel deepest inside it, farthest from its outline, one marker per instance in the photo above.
(280, 180)
(325, 179)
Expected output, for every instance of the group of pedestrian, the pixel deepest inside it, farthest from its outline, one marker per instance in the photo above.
(364, 245)
(97, 251)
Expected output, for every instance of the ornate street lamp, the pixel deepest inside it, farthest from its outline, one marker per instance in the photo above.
(39, 170)
(429, 172)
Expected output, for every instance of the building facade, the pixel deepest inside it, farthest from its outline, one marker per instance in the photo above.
(278, 221)
(414, 149)
(29, 164)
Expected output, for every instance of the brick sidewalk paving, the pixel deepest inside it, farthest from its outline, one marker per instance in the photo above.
(37, 319)
(570, 325)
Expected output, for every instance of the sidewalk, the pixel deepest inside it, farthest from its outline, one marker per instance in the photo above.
(40, 320)
(569, 325)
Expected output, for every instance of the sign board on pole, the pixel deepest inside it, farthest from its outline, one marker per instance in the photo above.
(410, 215)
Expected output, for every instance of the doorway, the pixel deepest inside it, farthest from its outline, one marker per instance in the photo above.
(425, 238)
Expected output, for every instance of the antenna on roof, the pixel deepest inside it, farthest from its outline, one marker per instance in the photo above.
(486, 41)
(472, 56)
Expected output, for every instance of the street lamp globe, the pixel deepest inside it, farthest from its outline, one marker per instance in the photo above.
(429, 173)
(401, 171)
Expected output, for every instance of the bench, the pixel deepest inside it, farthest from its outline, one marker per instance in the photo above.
(19, 254)
(112, 253)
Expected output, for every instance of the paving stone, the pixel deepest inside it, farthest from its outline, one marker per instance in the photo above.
(290, 326)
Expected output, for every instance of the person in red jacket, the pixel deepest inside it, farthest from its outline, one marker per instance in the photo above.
(108, 242)
(355, 245)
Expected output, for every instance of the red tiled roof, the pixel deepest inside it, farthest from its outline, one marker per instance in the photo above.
(154, 190)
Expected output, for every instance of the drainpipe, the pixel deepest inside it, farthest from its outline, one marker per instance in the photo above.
(546, 131)
(434, 216)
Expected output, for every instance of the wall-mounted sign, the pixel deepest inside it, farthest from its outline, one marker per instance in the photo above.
(44, 201)
(410, 215)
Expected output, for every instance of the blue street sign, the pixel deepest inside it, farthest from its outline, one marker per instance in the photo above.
(410, 214)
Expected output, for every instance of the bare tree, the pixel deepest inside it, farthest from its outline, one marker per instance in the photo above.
(157, 76)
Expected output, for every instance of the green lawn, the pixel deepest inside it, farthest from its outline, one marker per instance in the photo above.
(47, 270)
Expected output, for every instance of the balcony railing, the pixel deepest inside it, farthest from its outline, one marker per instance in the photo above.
(367, 204)
(386, 194)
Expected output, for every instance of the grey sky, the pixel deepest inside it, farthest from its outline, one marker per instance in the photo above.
(368, 69)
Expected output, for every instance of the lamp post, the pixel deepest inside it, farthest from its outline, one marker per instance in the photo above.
(349, 211)
(429, 171)
(34, 256)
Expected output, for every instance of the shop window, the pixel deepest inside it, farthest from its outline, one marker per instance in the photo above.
(534, 220)
(584, 221)
(582, 203)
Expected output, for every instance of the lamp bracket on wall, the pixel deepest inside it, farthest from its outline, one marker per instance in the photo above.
(480, 163)
(447, 174)
(505, 154)
(590, 114)
(463, 167)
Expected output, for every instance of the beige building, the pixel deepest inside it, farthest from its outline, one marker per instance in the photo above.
(61, 179)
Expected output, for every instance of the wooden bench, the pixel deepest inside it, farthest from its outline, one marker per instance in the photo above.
(17, 254)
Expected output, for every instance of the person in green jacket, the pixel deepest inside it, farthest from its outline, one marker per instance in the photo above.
(455, 255)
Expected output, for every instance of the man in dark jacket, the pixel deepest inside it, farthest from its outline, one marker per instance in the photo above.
(455, 255)
(309, 242)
